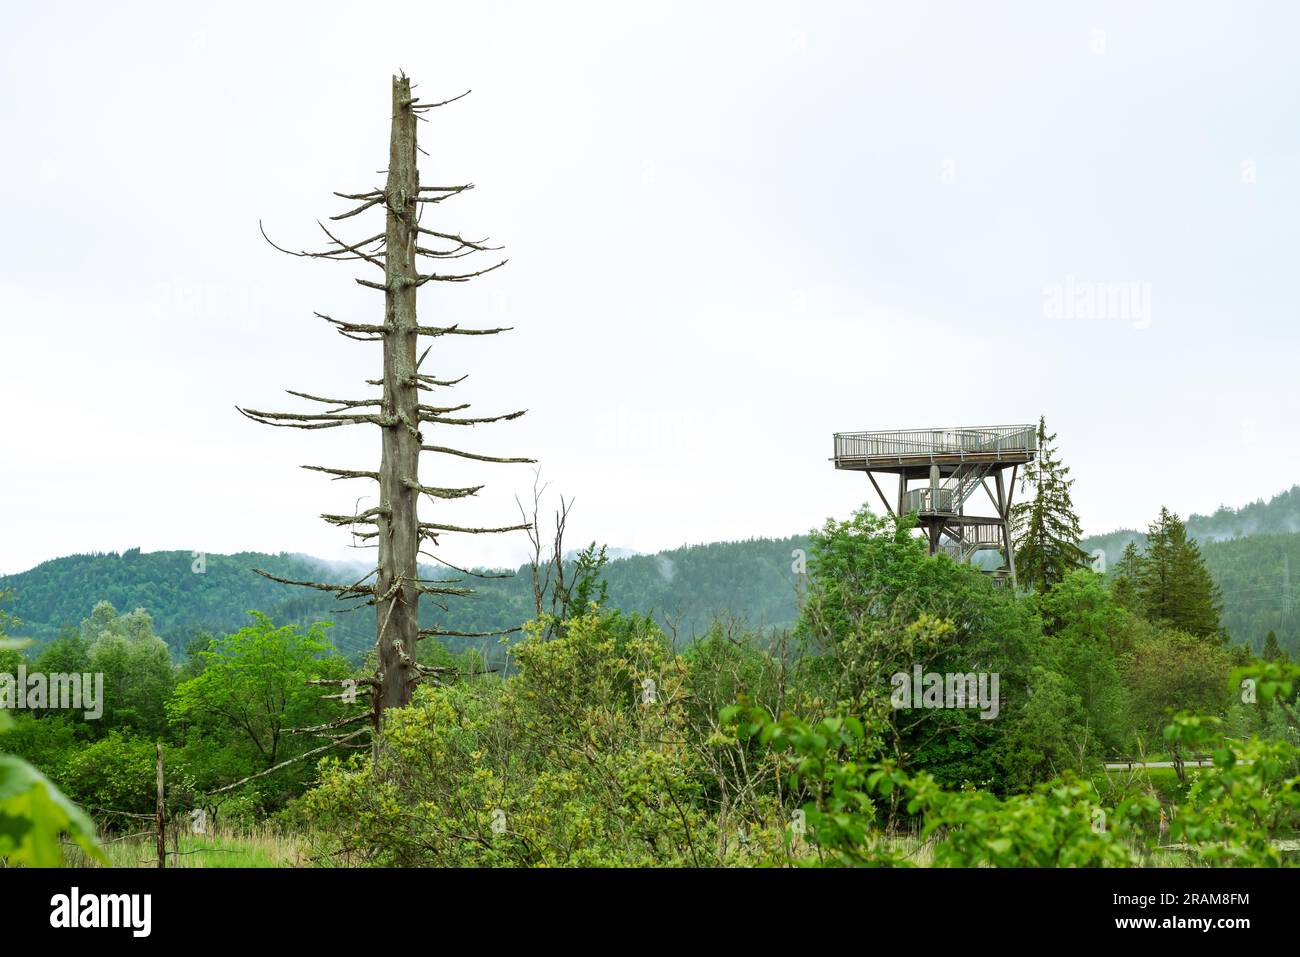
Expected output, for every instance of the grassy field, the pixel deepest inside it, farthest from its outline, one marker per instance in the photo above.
(263, 847)
(269, 848)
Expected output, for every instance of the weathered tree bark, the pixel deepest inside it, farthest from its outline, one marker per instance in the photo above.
(397, 611)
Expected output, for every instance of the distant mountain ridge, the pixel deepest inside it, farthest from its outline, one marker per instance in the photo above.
(1279, 515)
(1250, 552)
(685, 588)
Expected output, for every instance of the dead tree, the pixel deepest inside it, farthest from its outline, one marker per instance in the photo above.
(394, 586)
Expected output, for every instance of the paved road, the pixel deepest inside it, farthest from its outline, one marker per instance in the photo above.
(1130, 765)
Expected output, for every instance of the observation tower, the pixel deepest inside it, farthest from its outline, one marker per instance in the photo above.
(951, 465)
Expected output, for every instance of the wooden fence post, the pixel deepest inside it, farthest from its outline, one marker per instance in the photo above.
(161, 819)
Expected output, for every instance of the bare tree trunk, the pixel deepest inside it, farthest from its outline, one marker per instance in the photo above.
(394, 526)
(397, 611)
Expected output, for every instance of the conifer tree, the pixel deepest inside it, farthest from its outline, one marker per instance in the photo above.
(1174, 588)
(1272, 650)
(1124, 587)
(1045, 529)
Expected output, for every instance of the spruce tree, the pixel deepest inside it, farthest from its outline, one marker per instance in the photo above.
(1272, 650)
(1124, 587)
(1045, 530)
(1174, 588)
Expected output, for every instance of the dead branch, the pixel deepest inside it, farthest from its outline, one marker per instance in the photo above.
(338, 255)
(458, 331)
(465, 571)
(449, 192)
(472, 455)
(432, 527)
(362, 208)
(342, 473)
(435, 492)
(417, 105)
(421, 279)
(367, 517)
(337, 723)
(339, 591)
(440, 633)
(285, 764)
(479, 245)
(297, 420)
(491, 418)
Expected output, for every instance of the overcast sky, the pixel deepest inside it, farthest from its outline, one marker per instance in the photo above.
(734, 229)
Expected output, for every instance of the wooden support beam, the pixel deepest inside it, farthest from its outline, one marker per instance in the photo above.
(876, 486)
(1004, 507)
(992, 498)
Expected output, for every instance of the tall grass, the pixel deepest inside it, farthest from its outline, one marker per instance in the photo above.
(248, 847)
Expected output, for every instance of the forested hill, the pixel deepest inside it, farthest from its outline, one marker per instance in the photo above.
(1252, 552)
(1279, 515)
(685, 588)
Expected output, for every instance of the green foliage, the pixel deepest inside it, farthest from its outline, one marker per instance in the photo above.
(595, 751)
(842, 792)
(599, 741)
(1124, 586)
(1052, 735)
(1235, 814)
(115, 773)
(589, 585)
(1259, 592)
(877, 605)
(1058, 824)
(1173, 586)
(1166, 671)
(45, 741)
(137, 667)
(34, 814)
(1087, 628)
(253, 684)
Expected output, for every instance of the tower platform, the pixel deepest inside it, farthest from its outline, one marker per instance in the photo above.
(954, 463)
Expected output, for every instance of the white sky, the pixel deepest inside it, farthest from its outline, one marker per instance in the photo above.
(734, 229)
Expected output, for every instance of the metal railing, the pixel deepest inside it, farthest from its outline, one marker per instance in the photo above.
(974, 538)
(921, 500)
(910, 443)
(963, 482)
